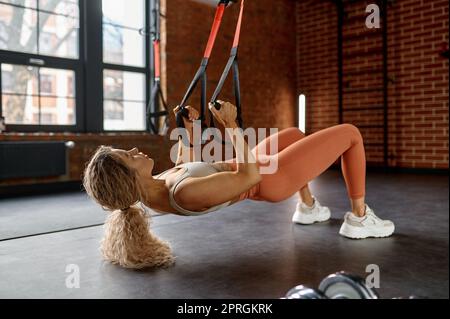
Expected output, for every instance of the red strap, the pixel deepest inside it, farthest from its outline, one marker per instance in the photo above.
(238, 28)
(214, 30)
(156, 50)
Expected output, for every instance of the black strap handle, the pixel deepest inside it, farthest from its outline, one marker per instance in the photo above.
(200, 76)
(232, 64)
(226, 2)
(183, 112)
(237, 92)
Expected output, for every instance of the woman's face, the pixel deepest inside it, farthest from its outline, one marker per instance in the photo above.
(136, 160)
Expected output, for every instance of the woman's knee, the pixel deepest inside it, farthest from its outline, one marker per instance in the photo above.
(356, 133)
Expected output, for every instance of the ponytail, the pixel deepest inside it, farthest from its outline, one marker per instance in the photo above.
(129, 243)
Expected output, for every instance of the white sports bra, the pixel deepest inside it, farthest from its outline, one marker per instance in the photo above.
(193, 169)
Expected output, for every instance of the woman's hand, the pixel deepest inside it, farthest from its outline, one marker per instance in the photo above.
(227, 113)
(193, 114)
(188, 124)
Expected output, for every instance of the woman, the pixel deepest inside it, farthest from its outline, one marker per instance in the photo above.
(119, 179)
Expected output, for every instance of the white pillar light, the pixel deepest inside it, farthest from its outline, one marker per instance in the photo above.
(302, 112)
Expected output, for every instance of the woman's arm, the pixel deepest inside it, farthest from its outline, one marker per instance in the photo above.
(203, 192)
(246, 162)
(199, 193)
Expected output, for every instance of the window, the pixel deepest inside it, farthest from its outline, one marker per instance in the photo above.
(74, 65)
(124, 73)
(39, 50)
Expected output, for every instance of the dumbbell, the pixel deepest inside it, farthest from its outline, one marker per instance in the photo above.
(304, 292)
(340, 285)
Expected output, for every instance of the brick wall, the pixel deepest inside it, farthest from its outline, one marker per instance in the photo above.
(418, 93)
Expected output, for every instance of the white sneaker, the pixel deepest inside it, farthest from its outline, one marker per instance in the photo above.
(367, 226)
(306, 215)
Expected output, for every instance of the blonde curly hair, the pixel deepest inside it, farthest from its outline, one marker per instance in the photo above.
(127, 241)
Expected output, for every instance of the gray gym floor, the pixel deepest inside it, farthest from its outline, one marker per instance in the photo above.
(249, 250)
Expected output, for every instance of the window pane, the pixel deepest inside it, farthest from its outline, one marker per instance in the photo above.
(65, 7)
(18, 29)
(22, 103)
(119, 85)
(122, 46)
(20, 109)
(124, 116)
(57, 82)
(57, 111)
(19, 79)
(24, 3)
(58, 36)
(124, 12)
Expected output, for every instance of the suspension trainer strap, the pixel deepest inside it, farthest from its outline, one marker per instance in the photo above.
(232, 64)
(200, 75)
(156, 97)
(150, 106)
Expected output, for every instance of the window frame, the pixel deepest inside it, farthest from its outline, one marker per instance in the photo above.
(88, 70)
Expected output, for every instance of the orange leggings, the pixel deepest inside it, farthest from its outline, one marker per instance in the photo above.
(302, 158)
